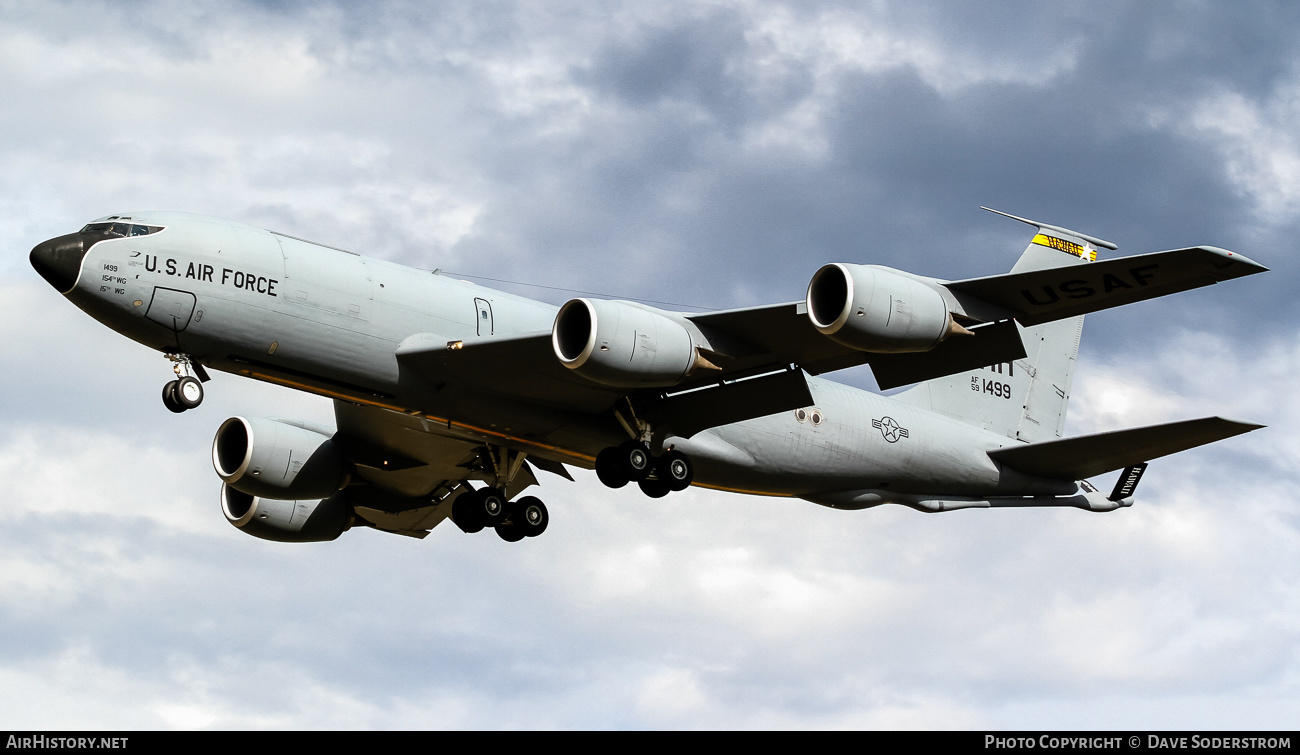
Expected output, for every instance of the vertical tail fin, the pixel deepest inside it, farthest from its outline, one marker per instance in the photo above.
(1025, 399)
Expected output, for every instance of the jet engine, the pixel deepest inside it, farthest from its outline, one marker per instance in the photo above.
(622, 344)
(277, 460)
(287, 521)
(876, 309)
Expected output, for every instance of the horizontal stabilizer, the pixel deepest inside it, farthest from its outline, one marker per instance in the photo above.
(1038, 296)
(1089, 455)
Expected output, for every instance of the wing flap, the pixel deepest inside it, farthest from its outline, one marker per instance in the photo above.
(1038, 296)
(1089, 455)
(419, 461)
(987, 344)
(689, 413)
(768, 338)
(522, 366)
(771, 337)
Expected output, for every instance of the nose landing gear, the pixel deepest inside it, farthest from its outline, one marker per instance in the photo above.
(182, 394)
(185, 392)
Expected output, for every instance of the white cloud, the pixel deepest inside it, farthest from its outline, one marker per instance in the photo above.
(1256, 138)
(100, 474)
(1198, 374)
(876, 38)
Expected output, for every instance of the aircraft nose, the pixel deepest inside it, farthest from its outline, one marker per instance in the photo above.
(59, 260)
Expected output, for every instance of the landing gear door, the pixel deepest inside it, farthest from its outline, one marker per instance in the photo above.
(483, 316)
(171, 308)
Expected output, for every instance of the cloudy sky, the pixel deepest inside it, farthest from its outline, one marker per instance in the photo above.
(707, 153)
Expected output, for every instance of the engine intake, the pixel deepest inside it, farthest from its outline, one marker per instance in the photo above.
(876, 309)
(274, 459)
(287, 521)
(623, 344)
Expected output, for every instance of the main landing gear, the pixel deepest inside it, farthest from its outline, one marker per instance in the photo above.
(515, 520)
(185, 392)
(616, 466)
(632, 461)
(475, 510)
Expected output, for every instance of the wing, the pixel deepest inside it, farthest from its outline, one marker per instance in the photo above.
(1039, 296)
(770, 347)
(746, 345)
(413, 472)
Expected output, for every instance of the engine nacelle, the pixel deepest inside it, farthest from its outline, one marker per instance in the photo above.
(287, 521)
(876, 309)
(274, 459)
(622, 344)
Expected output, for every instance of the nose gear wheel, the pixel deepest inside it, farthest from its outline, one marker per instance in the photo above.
(185, 392)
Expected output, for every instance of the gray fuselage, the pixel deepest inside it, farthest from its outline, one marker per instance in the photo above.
(271, 307)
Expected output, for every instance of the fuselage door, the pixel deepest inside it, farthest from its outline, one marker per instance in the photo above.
(483, 316)
(171, 308)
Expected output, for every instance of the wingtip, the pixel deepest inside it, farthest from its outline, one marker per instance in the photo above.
(1238, 258)
(1241, 426)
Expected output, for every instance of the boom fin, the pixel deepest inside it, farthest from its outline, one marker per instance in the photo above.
(1127, 483)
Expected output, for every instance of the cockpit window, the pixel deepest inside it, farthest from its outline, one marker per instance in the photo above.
(121, 229)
